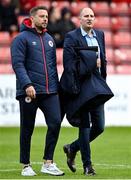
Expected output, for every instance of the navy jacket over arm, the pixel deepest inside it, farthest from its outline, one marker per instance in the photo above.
(93, 87)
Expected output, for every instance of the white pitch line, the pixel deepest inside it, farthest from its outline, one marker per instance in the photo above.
(103, 166)
(114, 165)
(78, 164)
(9, 170)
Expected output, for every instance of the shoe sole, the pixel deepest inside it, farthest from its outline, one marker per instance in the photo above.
(52, 174)
(28, 175)
(70, 167)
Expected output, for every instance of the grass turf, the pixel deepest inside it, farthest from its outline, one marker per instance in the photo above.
(111, 154)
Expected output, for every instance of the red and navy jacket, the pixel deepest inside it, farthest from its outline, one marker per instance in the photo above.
(34, 60)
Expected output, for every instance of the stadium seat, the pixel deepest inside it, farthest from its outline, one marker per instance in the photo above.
(59, 55)
(75, 20)
(4, 38)
(110, 69)
(108, 38)
(6, 69)
(100, 8)
(110, 55)
(130, 8)
(61, 4)
(43, 3)
(123, 55)
(123, 69)
(77, 6)
(103, 22)
(20, 18)
(5, 56)
(120, 8)
(122, 39)
(119, 22)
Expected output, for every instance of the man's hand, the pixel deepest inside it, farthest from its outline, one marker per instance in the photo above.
(98, 63)
(30, 91)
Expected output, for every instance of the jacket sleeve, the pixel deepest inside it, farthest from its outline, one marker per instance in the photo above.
(69, 54)
(70, 78)
(18, 56)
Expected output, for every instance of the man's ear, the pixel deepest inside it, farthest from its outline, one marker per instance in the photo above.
(31, 17)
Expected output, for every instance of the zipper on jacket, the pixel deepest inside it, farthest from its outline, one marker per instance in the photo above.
(45, 66)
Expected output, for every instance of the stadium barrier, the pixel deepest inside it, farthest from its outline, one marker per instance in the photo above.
(117, 110)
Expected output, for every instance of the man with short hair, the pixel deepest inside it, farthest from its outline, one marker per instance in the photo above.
(33, 54)
(85, 36)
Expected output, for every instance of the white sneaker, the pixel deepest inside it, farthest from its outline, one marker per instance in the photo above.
(28, 171)
(51, 169)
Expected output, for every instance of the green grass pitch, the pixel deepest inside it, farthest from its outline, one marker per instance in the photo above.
(111, 154)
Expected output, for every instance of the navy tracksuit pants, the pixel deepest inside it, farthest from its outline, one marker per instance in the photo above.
(50, 106)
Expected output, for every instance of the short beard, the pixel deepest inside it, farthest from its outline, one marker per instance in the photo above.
(39, 28)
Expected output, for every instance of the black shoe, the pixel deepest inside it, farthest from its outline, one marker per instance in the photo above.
(89, 171)
(70, 157)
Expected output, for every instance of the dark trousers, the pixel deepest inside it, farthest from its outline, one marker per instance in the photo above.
(50, 106)
(95, 118)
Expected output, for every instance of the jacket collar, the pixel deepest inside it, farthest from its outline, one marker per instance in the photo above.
(81, 38)
(84, 33)
(83, 42)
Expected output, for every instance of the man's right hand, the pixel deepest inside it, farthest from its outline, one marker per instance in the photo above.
(98, 63)
(30, 91)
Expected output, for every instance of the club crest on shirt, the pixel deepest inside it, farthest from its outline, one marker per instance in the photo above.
(50, 43)
(27, 99)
